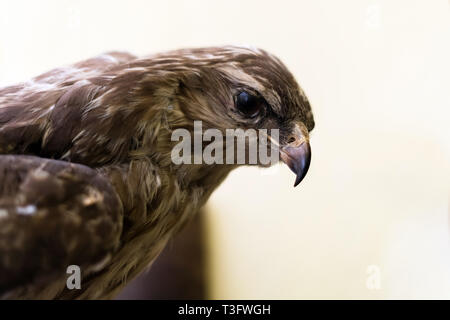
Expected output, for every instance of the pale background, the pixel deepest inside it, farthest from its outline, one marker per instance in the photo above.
(377, 194)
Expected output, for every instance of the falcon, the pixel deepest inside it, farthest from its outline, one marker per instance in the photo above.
(86, 176)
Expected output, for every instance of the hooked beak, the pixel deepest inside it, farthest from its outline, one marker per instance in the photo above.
(297, 154)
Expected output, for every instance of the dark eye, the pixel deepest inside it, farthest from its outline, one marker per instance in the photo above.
(249, 104)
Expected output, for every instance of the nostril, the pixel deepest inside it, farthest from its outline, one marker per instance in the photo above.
(291, 140)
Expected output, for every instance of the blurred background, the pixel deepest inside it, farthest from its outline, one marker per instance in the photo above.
(371, 219)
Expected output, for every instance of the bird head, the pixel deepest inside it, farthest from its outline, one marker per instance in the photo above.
(245, 88)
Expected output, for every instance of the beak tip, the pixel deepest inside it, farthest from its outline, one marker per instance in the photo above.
(298, 161)
(299, 179)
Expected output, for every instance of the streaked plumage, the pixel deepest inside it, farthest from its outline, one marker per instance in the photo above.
(85, 168)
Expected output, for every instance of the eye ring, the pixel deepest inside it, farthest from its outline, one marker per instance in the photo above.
(249, 104)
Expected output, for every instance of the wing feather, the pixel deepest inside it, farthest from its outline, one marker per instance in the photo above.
(52, 214)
